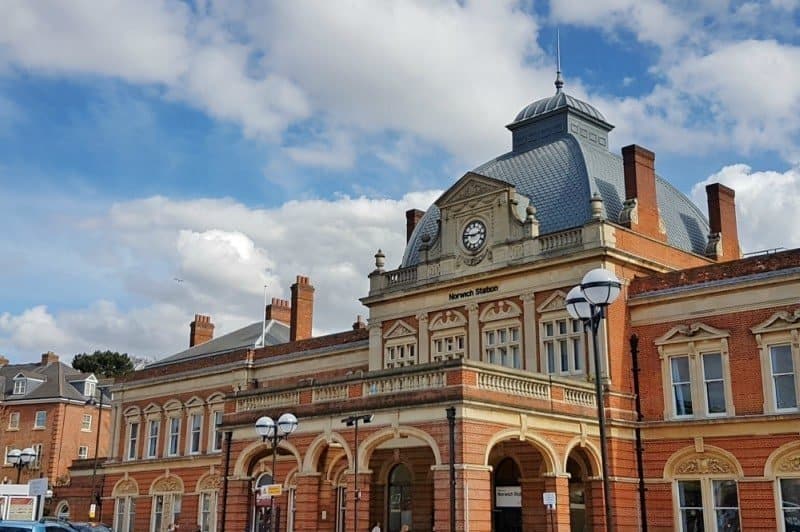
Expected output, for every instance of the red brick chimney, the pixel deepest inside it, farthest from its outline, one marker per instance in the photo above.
(302, 311)
(201, 330)
(49, 358)
(723, 242)
(413, 216)
(279, 310)
(3, 361)
(359, 323)
(640, 210)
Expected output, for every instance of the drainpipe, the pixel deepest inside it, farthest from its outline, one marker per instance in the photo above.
(451, 422)
(228, 436)
(634, 343)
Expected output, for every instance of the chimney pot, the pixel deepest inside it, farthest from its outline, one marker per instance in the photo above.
(359, 323)
(302, 309)
(49, 358)
(279, 310)
(413, 216)
(201, 330)
(724, 238)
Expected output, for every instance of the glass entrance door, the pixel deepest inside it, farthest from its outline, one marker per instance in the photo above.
(399, 498)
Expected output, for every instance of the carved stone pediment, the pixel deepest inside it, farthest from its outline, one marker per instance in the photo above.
(556, 302)
(499, 310)
(209, 483)
(701, 466)
(470, 187)
(170, 484)
(400, 328)
(779, 321)
(691, 333)
(447, 320)
(789, 464)
(126, 486)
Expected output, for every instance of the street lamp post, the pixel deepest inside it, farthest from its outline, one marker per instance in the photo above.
(21, 459)
(587, 302)
(352, 421)
(97, 498)
(275, 433)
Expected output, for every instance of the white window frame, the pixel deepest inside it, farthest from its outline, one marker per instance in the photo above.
(709, 507)
(89, 388)
(553, 340)
(781, 328)
(773, 376)
(170, 509)
(400, 347)
(492, 330)
(217, 435)
(194, 433)
(132, 440)
(83, 452)
(38, 449)
(152, 439)
(5, 455)
(173, 436)
(445, 345)
(20, 386)
(39, 424)
(13, 420)
(124, 514)
(86, 423)
(207, 504)
(779, 501)
(695, 341)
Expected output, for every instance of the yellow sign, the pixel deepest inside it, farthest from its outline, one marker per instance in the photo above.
(92, 508)
(274, 490)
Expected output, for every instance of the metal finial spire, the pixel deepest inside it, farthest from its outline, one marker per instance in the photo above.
(559, 82)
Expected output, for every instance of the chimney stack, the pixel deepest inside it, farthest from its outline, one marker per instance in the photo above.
(359, 323)
(413, 216)
(201, 330)
(3, 361)
(49, 358)
(640, 209)
(723, 241)
(302, 311)
(279, 310)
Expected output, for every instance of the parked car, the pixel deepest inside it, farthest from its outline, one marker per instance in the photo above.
(90, 527)
(34, 526)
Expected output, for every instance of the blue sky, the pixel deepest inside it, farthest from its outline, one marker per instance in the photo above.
(146, 141)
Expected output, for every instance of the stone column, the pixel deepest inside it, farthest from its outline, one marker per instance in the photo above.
(375, 344)
(558, 484)
(307, 501)
(424, 347)
(473, 497)
(529, 331)
(474, 332)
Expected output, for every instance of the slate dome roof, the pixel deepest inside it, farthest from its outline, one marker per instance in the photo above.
(558, 100)
(562, 168)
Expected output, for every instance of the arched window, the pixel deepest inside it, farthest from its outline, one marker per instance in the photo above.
(400, 494)
(263, 510)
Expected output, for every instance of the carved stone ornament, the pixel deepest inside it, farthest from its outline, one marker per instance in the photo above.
(211, 482)
(126, 486)
(448, 319)
(500, 310)
(700, 465)
(556, 302)
(167, 485)
(790, 464)
(399, 329)
(470, 190)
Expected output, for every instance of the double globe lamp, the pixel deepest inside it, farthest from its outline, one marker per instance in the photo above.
(274, 433)
(21, 459)
(587, 302)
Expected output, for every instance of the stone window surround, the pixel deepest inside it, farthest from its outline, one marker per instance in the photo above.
(781, 328)
(783, 463)
(13, 420)
(694, 341)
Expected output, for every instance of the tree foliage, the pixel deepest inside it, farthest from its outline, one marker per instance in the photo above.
(103, 363)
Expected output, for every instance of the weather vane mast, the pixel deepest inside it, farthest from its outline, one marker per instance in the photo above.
(559, 82)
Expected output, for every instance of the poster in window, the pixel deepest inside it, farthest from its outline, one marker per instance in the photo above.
(22, 508)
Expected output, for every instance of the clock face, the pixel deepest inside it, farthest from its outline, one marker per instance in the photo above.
(474, 235)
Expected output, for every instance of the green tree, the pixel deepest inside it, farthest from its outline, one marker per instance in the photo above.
(103, 363)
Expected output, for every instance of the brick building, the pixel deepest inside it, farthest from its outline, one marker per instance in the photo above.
(54, 409)
(470, 338)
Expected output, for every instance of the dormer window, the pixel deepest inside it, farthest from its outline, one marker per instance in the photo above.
(20, 386)
(89, 389)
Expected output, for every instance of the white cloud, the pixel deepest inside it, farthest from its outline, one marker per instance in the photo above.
(224, 252)
(765, 200)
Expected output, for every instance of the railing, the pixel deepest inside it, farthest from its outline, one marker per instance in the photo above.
(566, 239)
(401, 276)
(258, 402)
(525, 387)
(329, 393)
(404, 383)
(580, 397)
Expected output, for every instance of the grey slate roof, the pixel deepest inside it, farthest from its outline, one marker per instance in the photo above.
(54, 383)
(246, 337)
(560, 174)
(557, 101)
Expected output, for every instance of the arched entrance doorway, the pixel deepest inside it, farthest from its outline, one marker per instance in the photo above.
(400, 498)
(580, 516)
(507, 508)
(262, 512)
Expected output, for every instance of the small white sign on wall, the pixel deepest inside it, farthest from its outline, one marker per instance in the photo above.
(549, 499)
(508, 496)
